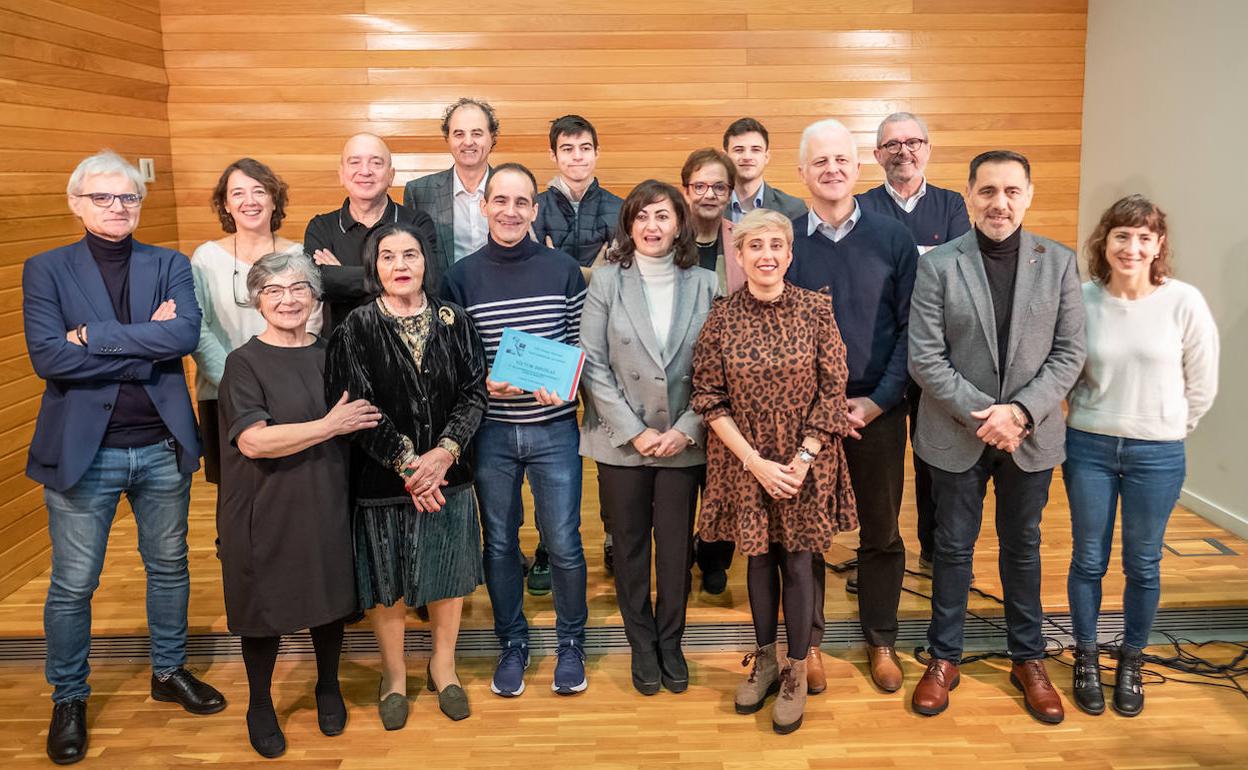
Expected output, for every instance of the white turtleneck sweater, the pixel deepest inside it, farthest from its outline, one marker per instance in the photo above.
(658, 277)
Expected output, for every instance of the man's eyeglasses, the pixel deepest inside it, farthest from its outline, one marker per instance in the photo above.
(104, 200)
(701, 188)
(894, 147)
(298, 290)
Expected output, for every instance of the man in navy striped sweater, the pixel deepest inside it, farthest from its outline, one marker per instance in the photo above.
(516, 282)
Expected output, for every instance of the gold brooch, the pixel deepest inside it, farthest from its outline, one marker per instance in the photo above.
(447, 316)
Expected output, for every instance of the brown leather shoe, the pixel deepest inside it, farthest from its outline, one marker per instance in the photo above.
(885, 670)
(932, 695)
(1039, 694)
(816, 679)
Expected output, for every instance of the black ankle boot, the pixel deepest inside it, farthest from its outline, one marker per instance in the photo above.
(1129, 687)
(646, 673)
(1087, 680)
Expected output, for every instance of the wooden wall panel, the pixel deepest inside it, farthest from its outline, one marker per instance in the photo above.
(78, 76)
(176, 81)
(657, 78)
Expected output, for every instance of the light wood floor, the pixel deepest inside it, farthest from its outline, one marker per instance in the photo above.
(611, 726)
(1205, 578)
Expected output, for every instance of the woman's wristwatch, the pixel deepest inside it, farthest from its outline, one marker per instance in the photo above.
(805, 455)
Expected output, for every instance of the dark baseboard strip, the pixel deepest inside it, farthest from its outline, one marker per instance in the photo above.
(1196, 624)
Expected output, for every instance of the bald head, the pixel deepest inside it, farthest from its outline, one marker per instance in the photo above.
(366, 169)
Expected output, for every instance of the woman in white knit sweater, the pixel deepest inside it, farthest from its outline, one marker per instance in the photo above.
(1151, 374)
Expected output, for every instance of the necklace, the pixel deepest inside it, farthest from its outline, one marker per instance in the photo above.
(246, 301)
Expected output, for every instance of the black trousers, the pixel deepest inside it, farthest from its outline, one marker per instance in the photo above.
(641, 504)
(877, 474)
(924, 501)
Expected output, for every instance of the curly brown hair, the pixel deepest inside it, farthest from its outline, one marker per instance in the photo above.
(264, 175)
(653, 191)
(1131, 211)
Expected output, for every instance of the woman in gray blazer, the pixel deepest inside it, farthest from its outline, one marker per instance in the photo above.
(642, 316)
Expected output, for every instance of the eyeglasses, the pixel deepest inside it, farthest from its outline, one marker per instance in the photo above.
(701, 188)
(104, 200)
(894, 147)
(298, 290)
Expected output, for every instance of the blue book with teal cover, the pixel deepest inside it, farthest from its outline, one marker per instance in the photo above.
(530, 362)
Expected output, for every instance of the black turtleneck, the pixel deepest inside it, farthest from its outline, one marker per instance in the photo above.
(1000, 260)
(497, 252)
(134, 421)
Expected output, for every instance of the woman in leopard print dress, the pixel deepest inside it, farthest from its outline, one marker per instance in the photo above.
(769, 378)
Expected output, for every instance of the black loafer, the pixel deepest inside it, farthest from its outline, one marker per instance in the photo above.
(183, 688)
(331, 713)
(67, 733)
(264, 733)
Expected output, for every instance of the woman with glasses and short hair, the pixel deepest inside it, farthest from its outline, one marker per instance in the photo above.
(250, 200)
(283, 516)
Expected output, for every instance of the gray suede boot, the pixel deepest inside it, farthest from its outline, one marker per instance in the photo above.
(764, 680)
(786, 714)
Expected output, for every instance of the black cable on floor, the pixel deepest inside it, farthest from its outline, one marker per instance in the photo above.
(1182, 660)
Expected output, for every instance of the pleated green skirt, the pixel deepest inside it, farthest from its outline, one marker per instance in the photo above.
(401, 553)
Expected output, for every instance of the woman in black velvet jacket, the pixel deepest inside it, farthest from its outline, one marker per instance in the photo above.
(416, 532)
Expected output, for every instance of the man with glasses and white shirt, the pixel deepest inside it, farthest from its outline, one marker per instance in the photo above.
(933, 215)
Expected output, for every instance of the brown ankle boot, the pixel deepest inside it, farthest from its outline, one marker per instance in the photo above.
(786, 714)
(764, 680)
(816, 679)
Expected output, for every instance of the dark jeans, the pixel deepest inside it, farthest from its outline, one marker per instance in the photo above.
(877, 473)
(924, 502)
(644, 503)
(1147, 477)
(1021, 497)
(79, 520)
(548, 454)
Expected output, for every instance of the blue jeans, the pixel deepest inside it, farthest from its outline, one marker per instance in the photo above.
(1021, 497)
(79, 520)
(549, 454)
(1147, 476)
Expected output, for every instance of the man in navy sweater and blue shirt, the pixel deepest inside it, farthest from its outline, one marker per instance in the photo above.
(934, 215)
(516, 282)
(867, 262)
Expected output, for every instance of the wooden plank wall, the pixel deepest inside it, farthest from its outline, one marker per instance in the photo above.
(76, 76)
(288, 81)
(658, 79)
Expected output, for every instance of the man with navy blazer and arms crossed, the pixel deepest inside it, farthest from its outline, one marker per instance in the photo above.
(996, 343)
(107, 321)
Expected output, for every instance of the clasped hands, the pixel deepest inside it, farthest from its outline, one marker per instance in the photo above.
(424, 478)
(166, 311)
(1003, 427)
(652, 443)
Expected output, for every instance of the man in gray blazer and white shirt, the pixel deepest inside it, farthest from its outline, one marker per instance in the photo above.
(996, 343)
(453, 197)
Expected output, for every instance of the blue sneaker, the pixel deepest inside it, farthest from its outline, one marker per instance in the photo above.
(509, 673)
(569, 669)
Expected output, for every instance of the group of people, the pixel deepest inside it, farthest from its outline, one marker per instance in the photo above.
(742, 351)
